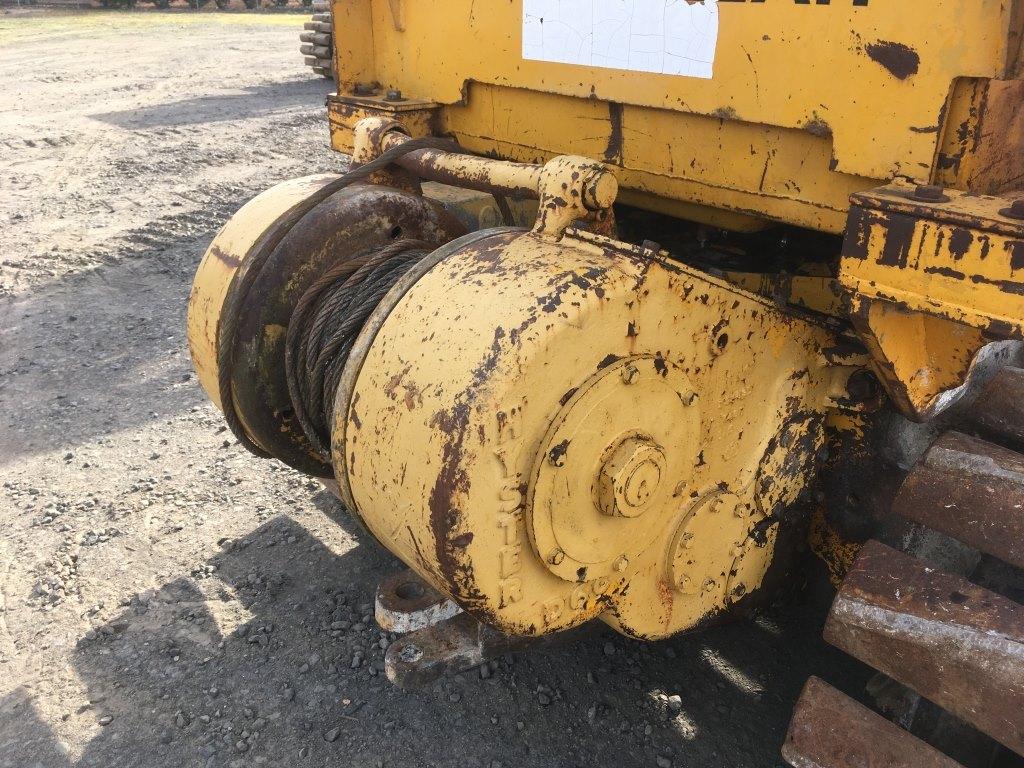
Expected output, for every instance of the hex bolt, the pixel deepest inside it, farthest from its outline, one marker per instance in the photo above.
(556, 557)
(394, 94)
(929, 193)
(630, 374)
(621, 564)
(1015, 211)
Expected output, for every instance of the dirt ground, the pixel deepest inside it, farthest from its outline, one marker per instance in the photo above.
(168, 600)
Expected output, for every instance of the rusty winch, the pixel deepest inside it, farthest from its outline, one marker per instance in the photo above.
(547, 424)
(550, 418)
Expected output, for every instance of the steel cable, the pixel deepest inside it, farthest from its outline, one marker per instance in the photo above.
(325, 325)
(261, 252)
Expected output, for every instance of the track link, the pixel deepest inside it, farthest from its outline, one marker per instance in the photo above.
(951, 641)
(317, 41)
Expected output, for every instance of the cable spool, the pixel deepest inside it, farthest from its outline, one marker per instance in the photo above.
(352, 240)
(326, 323)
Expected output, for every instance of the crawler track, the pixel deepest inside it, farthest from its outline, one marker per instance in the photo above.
(949, 640)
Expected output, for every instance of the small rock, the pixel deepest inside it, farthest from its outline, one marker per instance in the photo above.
(332, 735)
(663, 762)
(609, 649)
(105, 720)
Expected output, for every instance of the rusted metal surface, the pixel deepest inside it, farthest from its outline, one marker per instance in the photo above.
(344, 111)
(460, 643)
(352, 220)
(931, 279)
(953, 642)
(998, 413)
(831, 730)
(574, 317)
(406, 603)
(878, 111)
(562, 176)
(971, 490)
(357, 357)
(983, 139)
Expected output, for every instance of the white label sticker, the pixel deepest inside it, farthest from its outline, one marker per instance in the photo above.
(672, 37)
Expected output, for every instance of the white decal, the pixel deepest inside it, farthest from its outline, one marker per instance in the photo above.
(672, 37)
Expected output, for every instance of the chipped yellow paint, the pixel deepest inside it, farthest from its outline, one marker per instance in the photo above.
(929, 284)
(223, 260)
(763, 138)
(580, 406)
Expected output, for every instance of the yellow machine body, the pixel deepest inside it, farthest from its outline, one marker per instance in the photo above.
(807, 102)
(558, 431)
(552, 425)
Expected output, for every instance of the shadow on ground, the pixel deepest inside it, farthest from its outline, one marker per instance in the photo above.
(267, 656)
(97, 352)
(247, 103)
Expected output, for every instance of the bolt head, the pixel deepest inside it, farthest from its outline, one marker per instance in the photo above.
(630, 374)
(556, 557)
(621, 564)
(394, 95)
(929, 193)
(1015, 211)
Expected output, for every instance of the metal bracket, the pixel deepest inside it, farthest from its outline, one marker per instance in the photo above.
(439, 638)
(406, 603)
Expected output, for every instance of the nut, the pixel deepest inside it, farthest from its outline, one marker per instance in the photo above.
(630, 477)
(930, 193)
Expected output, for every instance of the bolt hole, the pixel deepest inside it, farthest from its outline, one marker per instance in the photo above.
(396, 232)
(409, 590)
(410, 654)
(722, 341)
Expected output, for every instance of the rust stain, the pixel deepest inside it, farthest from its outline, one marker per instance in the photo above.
(613, 152)
(900, 60)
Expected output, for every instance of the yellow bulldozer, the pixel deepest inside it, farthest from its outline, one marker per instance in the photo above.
(621, 304)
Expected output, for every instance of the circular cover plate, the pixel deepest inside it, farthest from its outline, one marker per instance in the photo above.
(642, 401)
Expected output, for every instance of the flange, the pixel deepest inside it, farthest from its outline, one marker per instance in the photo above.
(606, 476)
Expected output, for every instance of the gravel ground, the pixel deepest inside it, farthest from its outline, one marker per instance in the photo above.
(167, 600)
